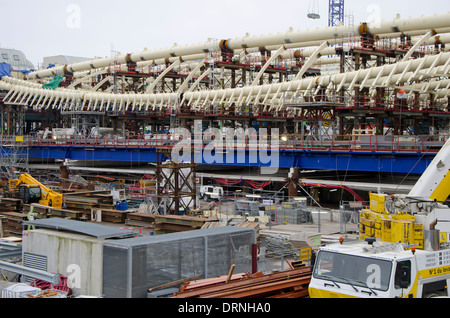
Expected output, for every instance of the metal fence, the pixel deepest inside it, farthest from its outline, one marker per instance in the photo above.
(131, 267)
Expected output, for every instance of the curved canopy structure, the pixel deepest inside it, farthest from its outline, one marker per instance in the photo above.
(273, 73)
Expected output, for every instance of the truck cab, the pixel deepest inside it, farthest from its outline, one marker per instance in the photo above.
(211, 193)
(379, 270)
(30, 194)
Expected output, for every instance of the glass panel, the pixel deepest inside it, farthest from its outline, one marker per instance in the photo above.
(356, 270)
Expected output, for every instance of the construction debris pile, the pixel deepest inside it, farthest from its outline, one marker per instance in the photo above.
(22, 290)
(288, 284)
(280, 246)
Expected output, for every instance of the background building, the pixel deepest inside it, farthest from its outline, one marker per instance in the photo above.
(62, 60)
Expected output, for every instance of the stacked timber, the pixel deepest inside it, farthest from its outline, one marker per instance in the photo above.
(140, 219)
(88, 201)
(14, 222)
(288, 284)
(3, 226)
(179, 223)
(11, 209)
(10, 205)
(40, 211)
(44, 212)
(245, 224)
(67, 214)
(114, 216)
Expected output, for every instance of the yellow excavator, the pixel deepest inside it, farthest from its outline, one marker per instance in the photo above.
(32, 191)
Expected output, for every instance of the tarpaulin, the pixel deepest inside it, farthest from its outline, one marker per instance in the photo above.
(54, 83)
(5, 70)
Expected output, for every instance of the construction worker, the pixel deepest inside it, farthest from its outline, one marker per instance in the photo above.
(31, 217)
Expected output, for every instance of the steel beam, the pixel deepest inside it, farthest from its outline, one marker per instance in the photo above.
(30, 272)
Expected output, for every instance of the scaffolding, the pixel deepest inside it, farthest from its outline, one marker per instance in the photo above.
(176, 185)
(14, 152)
(14, 149)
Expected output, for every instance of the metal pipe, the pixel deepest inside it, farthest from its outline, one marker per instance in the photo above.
(385, 75)
(436, 22)
(30, 272)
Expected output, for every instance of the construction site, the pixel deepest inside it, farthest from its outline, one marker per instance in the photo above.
(234, 168)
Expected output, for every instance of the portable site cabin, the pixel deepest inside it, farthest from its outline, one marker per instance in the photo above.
(70, 248)
(108, 262)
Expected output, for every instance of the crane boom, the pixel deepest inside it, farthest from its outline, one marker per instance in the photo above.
(435, 181)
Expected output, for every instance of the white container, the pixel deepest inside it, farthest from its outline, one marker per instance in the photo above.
(78, 257)
(20, 291)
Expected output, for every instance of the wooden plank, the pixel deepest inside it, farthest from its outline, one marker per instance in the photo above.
(12, 239)
(230, 273)
(115, 216)
(261, 286)
(162, 228)
(14, 215)
(81, 199)
(137, 223)
(178, 282)
(88, 193)
(143, 217)
(183, 220)
(66, 213)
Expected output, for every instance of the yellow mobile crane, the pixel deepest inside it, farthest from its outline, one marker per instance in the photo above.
(32, 191)
(403, 248)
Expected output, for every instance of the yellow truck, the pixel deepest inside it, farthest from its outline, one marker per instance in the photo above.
(403, 249)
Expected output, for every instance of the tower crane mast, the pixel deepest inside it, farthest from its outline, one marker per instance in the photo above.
(335, 12)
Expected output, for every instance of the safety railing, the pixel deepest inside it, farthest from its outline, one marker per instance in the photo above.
(390, 101)
(246, 140)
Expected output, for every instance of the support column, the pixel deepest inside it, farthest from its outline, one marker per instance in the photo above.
(293, 182)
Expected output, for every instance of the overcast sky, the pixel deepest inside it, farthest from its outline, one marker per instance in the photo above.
(91, 28)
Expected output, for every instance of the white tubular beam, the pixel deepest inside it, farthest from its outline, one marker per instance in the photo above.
(378, 72)
(419, 43)
(197, 82)
(313, 59)
(271, 92)
(436, 22)
(185, 84)
(152, 86)
(264, 68)
(363, 84)
(105, 80)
